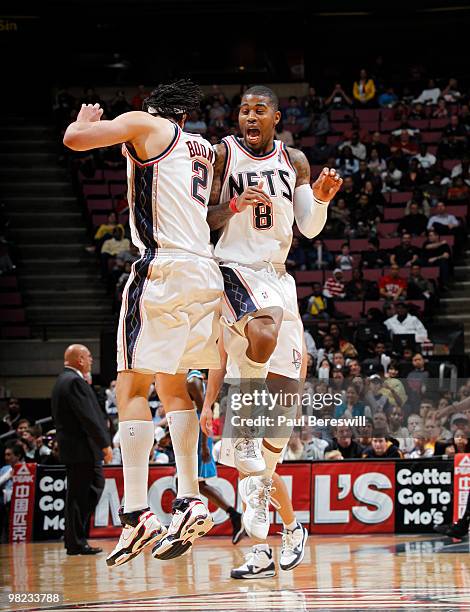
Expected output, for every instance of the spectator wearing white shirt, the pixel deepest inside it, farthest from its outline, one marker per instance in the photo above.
(429, 95)
(391, 177)
(357, 147)
(404, 323)
(451, 92)
(426, 159)
(442, 218)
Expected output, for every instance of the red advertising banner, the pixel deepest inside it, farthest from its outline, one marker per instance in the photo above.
(162, 487)
(353, 497)
(461, 483)
(22, 502)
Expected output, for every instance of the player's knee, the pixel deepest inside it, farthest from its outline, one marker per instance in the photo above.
(263, 339)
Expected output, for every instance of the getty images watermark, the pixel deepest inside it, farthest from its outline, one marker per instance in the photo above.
(260, 408)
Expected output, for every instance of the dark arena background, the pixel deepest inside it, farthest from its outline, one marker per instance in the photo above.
(383, 292)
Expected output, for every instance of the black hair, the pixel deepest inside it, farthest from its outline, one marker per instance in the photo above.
(261, 90)
(173, 100)
(379, 433)
(16, 448)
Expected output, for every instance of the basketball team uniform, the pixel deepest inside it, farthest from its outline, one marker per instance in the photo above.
(209, 469)
(171, 302)
(252, 251)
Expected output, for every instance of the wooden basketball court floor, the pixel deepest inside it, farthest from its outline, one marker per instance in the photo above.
(373, 572)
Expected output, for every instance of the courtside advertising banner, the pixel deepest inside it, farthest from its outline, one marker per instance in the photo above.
(22, 502)
(51, 488)
(461, 483)
(423, 495)
(353, 497)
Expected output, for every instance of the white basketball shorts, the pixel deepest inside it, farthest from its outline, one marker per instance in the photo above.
(170, 311)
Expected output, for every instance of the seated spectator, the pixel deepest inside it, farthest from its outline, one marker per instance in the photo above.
(317, 305)
(381, 447)
(358, 149)
(360, 289)
(376, 143)
(404, 255)
(376, 164)
(13, 455)
(319, 256)
(313, 448)
(321, 150)
(400, 433)
(354, 406)
(346, 163)
(458, 443)
(376, 360)
(418, 111)
(404, 144)
(334, 285)
(451, 92)
(195, 124)
(393, 388)
(364, 90)
(420, 288)
(430, 95)
(293, 113)
(425, 159)
(441, 111)
(344, 260)
(313, 103)
(13, 416)
(420, 449)
(416, 382)
(341, 215)
(112, 247)
(344, 345)
(327, 351)
(421, 200)
(374, 257)
(365, 433)
(414, 423)
(295, 447)
(413, 177)
(454, 139)
(366, 213)
(119, 104)
(296, 259)
(284, 135)
(22, 427)
(391, 178)
(348, 192)
(343, 445)
(414, 222)
(434, 434)
(392, 286)
(362, 175)
(441, 221)
(436, 252)
(338, 98)
(375, 398)
(105, 231)
(459, 191)
(404, 323)
(34, 447)
(388, 98)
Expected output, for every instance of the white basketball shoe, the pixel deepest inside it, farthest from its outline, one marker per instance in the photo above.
(293, 547)
(139, 530)
(247, 455)
(255, 492)
(258, 564)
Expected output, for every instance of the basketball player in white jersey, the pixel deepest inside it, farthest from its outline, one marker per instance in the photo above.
(169, 314)
(260, 187)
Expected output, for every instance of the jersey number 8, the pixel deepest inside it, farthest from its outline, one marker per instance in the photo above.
(263, 216)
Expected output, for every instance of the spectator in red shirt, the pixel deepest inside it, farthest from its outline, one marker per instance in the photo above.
(334, 285)
(392, 287)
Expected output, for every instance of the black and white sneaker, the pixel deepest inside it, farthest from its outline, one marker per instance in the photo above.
(191, 520)
(293, 547)
(139, 529)
(258, 564)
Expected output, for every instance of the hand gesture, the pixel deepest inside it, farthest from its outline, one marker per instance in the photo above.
(90, 113)
(205, 421)
(253, 196)
(107, 454)
(327, 185)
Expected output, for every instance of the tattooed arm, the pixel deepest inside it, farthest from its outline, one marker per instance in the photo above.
(219, 213)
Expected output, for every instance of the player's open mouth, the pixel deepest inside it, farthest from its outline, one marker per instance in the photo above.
(253, 135)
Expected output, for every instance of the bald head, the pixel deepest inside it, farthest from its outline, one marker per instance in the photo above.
(79, 357)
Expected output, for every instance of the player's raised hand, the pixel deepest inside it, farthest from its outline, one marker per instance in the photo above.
(205, 421)
(327, 184)
(253, 196)
(90, 113)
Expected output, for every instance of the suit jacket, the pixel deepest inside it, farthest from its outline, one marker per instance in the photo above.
(79, 421)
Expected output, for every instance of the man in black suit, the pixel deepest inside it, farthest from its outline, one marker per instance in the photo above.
(83, 443)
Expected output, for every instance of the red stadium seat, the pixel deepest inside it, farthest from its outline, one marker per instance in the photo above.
(389, 243)
(333, 139)
(431, 273)
(308, 277)
(16, 331)
(398, 197)
(340, 127)
(12, 315)
(390, 214)
(334, 244)
(374, 304)
(315, 171)
(419, 124)
(97, 220)
(10, 299)
(438, 124)
(459, 210)
(359, 244)
(95, 189)
(389, 126)
(116, 189)
(293, 128)
(303, 292)
(98, 204)
(450, 163)
(386, 229)
(97, 176)
(8, 283)
(404, 271)
(367, 114)
(372, 274)
(387, 114)
(370, 126)
(432, 149)
(433, 137)
(114, 175)
(341, 115)
(352, 309)
(307, 141)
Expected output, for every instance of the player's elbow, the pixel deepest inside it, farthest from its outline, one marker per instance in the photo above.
(73, 141)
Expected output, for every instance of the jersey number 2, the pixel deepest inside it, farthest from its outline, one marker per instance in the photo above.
(263, 216)
(199, 181)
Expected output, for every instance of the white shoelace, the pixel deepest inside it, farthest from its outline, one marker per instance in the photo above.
(288, 541)
(261, 500)
(248, 447)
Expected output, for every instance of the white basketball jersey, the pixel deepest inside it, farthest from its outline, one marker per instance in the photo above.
(259, 233)
(168, 196)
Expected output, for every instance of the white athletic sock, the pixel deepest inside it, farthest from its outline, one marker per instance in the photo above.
(291, 526)
(136, 439)
(184, 432)
(253, 369)
(271, 459)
